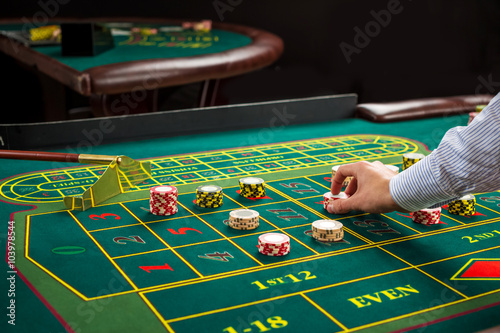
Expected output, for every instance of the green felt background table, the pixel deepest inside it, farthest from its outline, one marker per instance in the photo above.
(119, 268)
(170, 44)
(139, 64)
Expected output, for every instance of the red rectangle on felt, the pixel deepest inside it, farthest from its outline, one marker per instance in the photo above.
(483, 269)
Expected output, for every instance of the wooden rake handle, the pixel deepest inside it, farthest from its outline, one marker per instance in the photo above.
(56, 157)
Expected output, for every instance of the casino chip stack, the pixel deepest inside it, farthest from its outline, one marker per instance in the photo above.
(347, 180)
(209, 196)
(46, 33)
(274, 244)
(427, 216)
(252, 187)
(329, 197)
(466, 205)
(327, 230)
(244, 219)
(411, 158)
(163, 200)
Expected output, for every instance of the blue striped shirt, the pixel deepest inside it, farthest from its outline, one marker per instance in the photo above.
(466, 161)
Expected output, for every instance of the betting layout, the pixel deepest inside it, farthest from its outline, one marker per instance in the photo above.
(50, 186)
(382, 269)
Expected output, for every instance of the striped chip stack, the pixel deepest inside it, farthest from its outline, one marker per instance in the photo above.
(163, 200)
(327, 230)
(209, 196)
(328, 197)
(347, 180)
(466, 205)
(244, 219)
(274, 244)
(252, 187)
(411, 158)
(427, 216)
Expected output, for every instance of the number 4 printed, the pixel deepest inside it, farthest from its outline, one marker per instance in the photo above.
(373, 224)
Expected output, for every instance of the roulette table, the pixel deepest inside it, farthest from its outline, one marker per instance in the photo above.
(117, 267)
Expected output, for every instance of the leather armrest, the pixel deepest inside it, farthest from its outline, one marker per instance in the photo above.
(420, 108)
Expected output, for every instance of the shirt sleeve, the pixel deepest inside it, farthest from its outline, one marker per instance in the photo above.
(466, 161)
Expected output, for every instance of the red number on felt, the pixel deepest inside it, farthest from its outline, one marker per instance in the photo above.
(151, 268)
(182, 231)
(103, 216)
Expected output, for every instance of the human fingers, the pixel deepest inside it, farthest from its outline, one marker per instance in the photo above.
(342, 206)
(336, 187)
(342, 173)
(352, 186)
(369, 191)
(338, 179)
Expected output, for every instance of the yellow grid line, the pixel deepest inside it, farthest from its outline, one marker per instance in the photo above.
(421, 311)
(287, 145)
(352, 232)
(55, 277)
(224, 236)
(352, 249)
(323, 311)
(460, 222)
(297, 293)
(103, 251)
(278, 228)
(281, 264)
(164, 243)
(423, 272)
(454, 277)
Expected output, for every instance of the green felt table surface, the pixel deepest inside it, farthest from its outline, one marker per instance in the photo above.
(163, 45)
(427, 131)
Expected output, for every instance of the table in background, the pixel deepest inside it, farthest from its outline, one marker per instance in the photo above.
(126, 79)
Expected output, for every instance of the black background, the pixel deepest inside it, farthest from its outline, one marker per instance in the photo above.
(430, 48)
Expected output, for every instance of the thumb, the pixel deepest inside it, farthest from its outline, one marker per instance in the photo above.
(341, 206)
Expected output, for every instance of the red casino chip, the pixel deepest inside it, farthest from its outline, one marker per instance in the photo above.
(329, 197)
(427, 216)
(274, 244)
(164, 191)
(163, 200)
